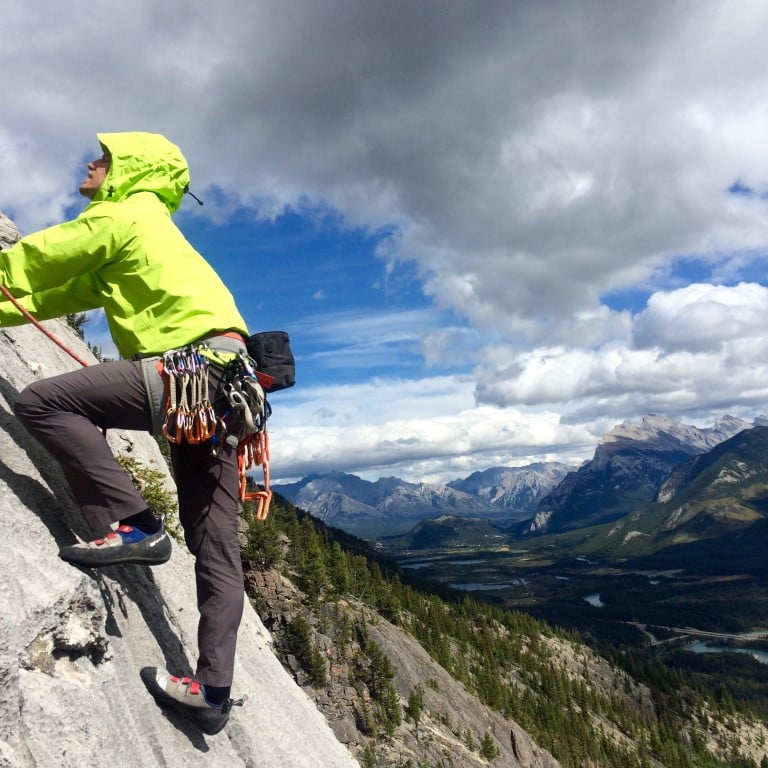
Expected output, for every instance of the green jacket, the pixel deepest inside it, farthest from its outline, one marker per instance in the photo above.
(123, 253)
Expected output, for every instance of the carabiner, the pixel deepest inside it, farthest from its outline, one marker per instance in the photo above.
(171, 435)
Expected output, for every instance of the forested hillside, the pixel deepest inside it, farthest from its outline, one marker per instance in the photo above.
(335, 608)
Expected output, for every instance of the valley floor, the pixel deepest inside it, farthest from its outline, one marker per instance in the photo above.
(708, 619)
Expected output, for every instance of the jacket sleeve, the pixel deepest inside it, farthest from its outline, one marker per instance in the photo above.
(76, 295)
(54, 256)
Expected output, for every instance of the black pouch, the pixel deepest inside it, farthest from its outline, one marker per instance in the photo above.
(272, 352)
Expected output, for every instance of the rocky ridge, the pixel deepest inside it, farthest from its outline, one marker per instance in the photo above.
(515, 489)
(449, 712)
(370, 509)
(629, 466)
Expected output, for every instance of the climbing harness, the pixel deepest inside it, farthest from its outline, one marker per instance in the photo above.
(240, 400)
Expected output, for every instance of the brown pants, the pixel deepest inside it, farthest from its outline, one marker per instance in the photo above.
(61, 412)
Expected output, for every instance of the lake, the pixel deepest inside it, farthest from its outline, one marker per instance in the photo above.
(704, 646)
(594, 600)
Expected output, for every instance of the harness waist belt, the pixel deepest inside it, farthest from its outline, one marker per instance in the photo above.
(151, 369)
(226, 342)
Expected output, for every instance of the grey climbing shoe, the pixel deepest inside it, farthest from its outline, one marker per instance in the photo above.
(124, 545)
(187, 697)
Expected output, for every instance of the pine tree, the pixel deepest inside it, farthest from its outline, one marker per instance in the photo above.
(390, 707)
(337, 567)
(76, 321)
(311, 562)
(413, 709)
(300, 643)
(488, 747)
(263, 550)
(369, 757)
(380, 669)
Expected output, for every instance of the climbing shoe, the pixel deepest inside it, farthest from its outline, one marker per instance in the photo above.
(124, 545)
(187, 697)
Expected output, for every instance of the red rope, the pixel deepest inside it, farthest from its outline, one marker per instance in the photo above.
(38, 325)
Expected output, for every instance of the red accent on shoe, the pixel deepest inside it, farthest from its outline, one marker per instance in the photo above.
(194, 688)
(175, 679)
(186, 680)
(125, 528)
(111, 535)
(98, 542)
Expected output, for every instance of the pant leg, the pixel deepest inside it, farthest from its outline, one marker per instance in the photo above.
(208, 505)
(63, 413)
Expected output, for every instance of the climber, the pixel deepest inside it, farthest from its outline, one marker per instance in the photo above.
(124, 254)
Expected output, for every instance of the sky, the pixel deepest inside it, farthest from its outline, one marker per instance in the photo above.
(493, 230)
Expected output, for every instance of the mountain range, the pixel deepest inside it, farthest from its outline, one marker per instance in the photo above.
(631, 466)
(391, 506)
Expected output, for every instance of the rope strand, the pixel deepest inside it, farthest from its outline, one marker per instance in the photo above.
(40, 327)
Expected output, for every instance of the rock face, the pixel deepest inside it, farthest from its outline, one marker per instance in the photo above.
(72, 642)
(456, 706)
(515, 489)
(8, 232)
(448, 710)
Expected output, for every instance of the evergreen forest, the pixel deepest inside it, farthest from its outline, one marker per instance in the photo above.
(606, 707)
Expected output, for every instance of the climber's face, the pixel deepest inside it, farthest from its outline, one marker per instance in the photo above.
(97, 172)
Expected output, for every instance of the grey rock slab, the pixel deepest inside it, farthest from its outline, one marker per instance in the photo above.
(72, 642)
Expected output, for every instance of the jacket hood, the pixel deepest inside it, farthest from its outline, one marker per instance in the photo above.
(143, 162)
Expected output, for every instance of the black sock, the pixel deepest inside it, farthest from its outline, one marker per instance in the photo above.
(216, 695)
(145, 521)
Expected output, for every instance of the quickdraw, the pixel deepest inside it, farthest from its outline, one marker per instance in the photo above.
(245, 424)
(253, 451)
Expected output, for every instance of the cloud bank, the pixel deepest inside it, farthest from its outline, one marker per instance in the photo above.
(579, 185)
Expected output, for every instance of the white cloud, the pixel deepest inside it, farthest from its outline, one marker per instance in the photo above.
(427, 429)
(702, 316)
(699, 350)
(540, 403)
